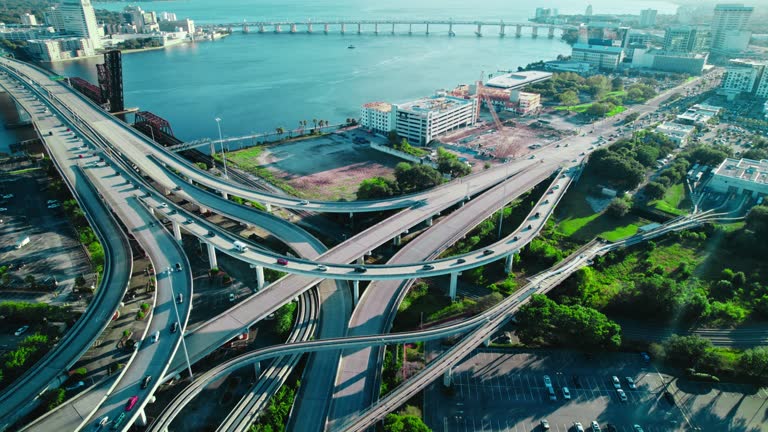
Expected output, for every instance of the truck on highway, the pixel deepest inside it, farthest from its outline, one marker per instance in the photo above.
(22, 242)
(241, 247)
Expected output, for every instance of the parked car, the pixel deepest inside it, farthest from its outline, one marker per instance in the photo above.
(547, 381)
(630, 382)
(566, 393)
(544, 424)
(595, 426)
(21, 330)
(622, 395)
(578, 427)
(616, 382)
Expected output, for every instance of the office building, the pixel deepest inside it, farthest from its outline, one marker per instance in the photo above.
(741, 176)
(729, 19)
(518, 80)
(588, 12)
(667, 61)
(744, 77)
(28, 20)
(422, 120)
(678, 133)
(699, 115)
(546, 13)
(378, 117)
(567, 66)
(26, 33)
(166, 16)
(648, 17)
(185, 25)
(52, 50)
(598, 56)
(76, 18)
(687, 39)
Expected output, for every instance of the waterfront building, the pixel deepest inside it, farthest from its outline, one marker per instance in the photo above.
(76, 18)
(52, 50)
(729, 26)
(166, 16)
(28, 19)
(185, 25)
(518, 80)
(26, 33)
(378, 117)
(422, 120)
(648, 17)
(567, 66)
(598, 56)
(741, 176)
(745, 77)
(588, 12)
(678, 133)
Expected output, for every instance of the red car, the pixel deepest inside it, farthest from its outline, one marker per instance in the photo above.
(282, 261)
(131, 403)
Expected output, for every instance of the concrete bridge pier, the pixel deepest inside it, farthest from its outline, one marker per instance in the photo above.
(309, 28)
(454, 285)
(450, 30)
(325, 28)
(502, 30)
(393, 28)
(355, 291)
(487, 342)
(224, 195)
(359, 28)
(151, 210)
(177, 231)
(268, 206)
(428, 222)
(343, 28)
(410, 29)
(245, 29)
(261, 28)
(508, 262)
(259, 277)
(534, 32)
(142, 420)
(479, 31)
(212, 256)
(518, 30)
(256, 369)
(293, 28)
(398, 240)
(551, 33)
(447, 377)
(427, 32)
(361, 260)
(278, 29)
(376, 28)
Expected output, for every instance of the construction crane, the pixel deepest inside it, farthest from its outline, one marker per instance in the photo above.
(507, 147)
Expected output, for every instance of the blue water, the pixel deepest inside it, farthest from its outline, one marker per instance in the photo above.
(257, 82)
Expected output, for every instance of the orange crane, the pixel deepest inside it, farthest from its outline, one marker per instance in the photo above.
(506, 148)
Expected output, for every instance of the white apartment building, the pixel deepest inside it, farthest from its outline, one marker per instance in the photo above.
(598, 56)
(52, 50)
(422, 120)
(678, 133)
(77, 18)
(378, 117)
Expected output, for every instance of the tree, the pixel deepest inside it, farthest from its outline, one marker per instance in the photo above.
(685, 351)
(654, 190)
(375, 188)
(414, 178)
(54, 398)
(618, 208)
(569, 98)
(404, 423)
(754, 362)
(449, 163)
(757, 221)
(617, 84)
(284, 318)
(599, 109)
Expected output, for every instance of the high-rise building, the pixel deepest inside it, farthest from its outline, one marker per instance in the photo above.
(76, 17)
(648, 17)
(598, 56)
(588, 12)
(29, 19)
(166, 16)
(729, 18)
(687, 39)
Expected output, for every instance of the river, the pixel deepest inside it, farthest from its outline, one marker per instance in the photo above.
(257, 82)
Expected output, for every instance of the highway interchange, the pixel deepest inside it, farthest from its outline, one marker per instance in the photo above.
(131, 199)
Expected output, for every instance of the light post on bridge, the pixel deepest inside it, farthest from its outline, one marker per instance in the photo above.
(221, 142)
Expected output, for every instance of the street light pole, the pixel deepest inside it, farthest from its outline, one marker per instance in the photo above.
(221, 142)
(181, 328)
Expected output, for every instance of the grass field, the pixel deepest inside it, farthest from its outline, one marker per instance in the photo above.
(672, 200)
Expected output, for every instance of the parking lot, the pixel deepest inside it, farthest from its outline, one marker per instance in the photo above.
(504, 390)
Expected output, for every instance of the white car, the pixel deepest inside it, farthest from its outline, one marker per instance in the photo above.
(578, 427)
(630, 382)
(53, 206)
(7, 196)
(2, 209)
(622, 395)
(566, 393)
(21, 330)
(547, 381)
(616, 382)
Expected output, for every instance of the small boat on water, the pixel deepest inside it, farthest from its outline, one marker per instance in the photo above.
(351, 47)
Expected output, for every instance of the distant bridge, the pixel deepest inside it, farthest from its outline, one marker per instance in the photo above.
(354, 26)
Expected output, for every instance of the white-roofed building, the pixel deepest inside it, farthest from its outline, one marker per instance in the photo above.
(742, 176)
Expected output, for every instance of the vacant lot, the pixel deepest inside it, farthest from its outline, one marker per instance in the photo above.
(329, 167)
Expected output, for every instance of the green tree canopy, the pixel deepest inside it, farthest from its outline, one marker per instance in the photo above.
(415, 178)
(449, 163)
(375, 188)
(404, 423)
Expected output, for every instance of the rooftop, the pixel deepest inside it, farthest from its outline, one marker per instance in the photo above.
(379, 106)
(675, 128)
(434, 104)
(745, 169)
(518, 79)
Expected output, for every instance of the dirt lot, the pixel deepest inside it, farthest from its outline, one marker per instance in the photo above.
(328, 167)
